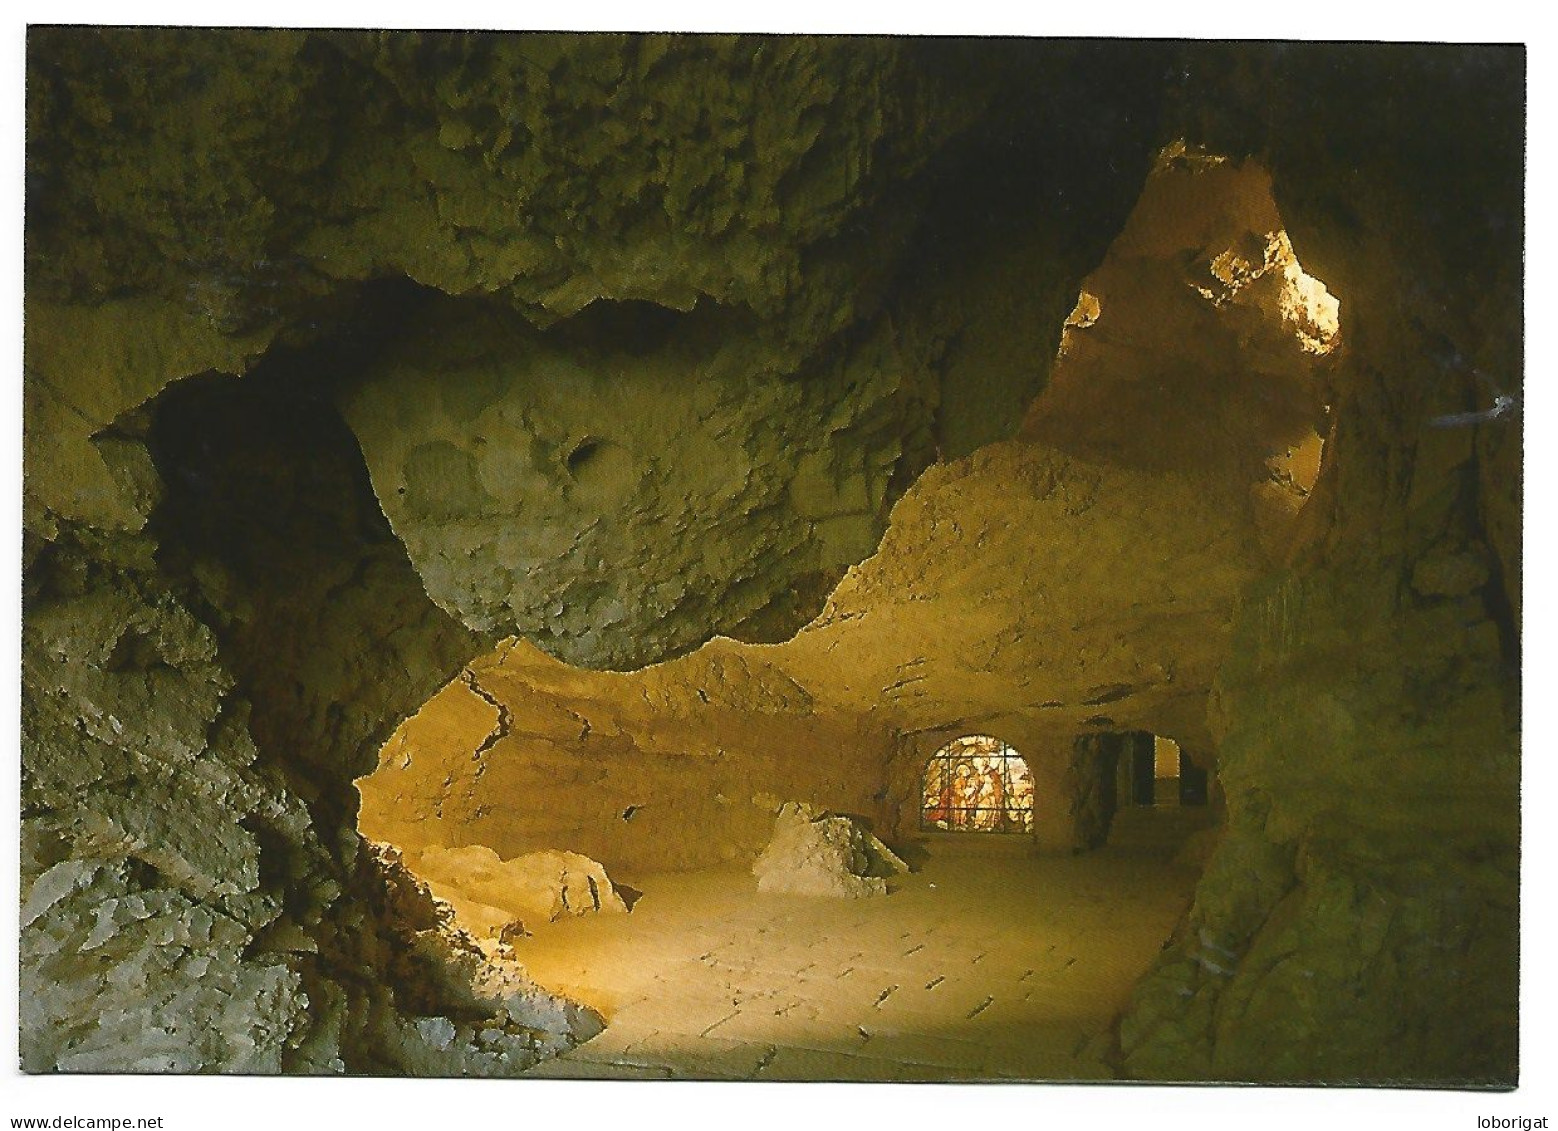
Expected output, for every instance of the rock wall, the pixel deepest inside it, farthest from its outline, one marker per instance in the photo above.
(1359, 918)
(681, 765)
(195, 895)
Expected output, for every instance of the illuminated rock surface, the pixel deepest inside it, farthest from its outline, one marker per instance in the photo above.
(838, 382)
(493, 896)
(817, 853)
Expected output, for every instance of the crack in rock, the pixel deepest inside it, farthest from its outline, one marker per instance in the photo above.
(500, 729)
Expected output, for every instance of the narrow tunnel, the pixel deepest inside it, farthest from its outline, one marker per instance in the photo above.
(771, 559)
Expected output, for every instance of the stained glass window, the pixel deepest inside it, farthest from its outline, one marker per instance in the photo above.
(978, 784)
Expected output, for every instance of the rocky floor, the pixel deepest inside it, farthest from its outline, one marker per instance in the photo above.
(995, 965)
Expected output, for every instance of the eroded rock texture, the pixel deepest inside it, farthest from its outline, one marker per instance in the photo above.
(1369, 713)
(1236, 392)
(195, 895)
(349, 354)
(824, 854)
(604, 496)
(1037, 592)
(788, 211)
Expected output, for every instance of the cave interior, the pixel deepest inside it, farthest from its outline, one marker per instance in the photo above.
(727, 557)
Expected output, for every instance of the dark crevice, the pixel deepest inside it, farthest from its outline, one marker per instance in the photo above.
(1495, 598)
(634, 326)
(1057, 163)
(582, 453)
(505, 721)
(269, 525)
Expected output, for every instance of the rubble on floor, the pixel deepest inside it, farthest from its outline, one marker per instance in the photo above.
(814, 852)
(473, 1009)
(495, 898)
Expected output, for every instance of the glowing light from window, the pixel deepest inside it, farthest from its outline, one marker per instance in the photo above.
(978, 784)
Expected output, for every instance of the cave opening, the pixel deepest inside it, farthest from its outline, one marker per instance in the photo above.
(821, 764)
(1158, 771)
(725, 618)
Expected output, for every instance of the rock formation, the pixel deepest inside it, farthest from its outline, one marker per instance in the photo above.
(360, 366)
(495, 897)
(1356, 710)
(814, 852)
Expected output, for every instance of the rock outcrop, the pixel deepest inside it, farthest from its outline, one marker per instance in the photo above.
(598, 493)
(1359, 918)
(195, 697)
(495, 1021)
(495, 897)
(814, 852)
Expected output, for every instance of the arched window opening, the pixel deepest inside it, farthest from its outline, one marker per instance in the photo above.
(977, 784)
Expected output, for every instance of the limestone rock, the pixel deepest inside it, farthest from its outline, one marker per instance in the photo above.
(777, 252)
(627, 762)
(816, 853)
(490, 893)
(187, 754)
(1367, 715)
(1235, 390)
(541, 460)
(490, 1018)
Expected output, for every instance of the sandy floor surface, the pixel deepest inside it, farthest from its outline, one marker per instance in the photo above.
(988, 965)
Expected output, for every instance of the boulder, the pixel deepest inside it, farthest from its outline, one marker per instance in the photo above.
(495, 897)
(814, 852)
